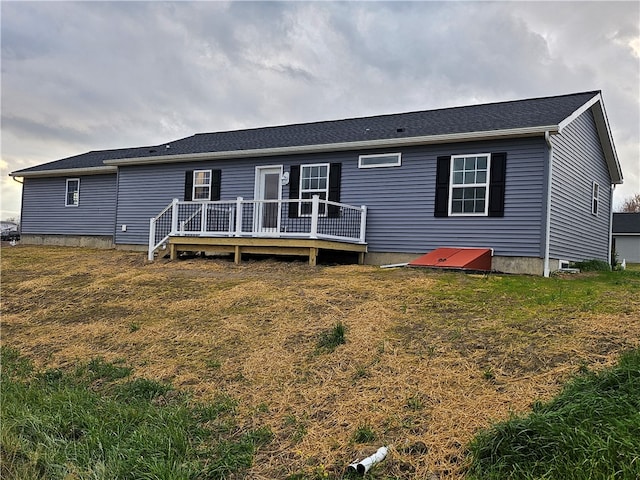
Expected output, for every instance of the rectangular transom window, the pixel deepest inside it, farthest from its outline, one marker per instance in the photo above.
(469, 184)
(201, 185)
(380, 160)
(314, 180)
(72, 197)
(595, 192)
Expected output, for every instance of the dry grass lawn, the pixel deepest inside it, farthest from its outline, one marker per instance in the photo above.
(430, 357)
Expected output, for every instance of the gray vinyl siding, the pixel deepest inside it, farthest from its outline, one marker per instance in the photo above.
(44, 210)
(400, 200)
(578, 161)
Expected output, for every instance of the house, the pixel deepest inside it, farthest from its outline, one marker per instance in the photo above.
(9, 231)
(626, 236)
(530, 179)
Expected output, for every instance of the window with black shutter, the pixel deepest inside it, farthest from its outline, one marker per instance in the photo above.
(202, 185)
(470, 185)
(321, 179)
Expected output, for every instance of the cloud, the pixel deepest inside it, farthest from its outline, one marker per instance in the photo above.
(94, 75)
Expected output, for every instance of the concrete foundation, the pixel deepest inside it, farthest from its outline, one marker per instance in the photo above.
(521, 265)
(518, 265)
(389, 258)
(91, 241)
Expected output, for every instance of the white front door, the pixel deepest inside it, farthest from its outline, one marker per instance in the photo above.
(268, 187)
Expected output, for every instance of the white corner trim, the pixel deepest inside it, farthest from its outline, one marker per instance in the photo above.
(547, 219)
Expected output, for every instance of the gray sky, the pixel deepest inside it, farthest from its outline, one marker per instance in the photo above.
(97, 75)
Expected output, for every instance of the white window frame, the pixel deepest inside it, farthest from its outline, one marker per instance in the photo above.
(76, 200)
(396, 163)
(313, 191)
(595, 198)
(470, 185)
(201, 185)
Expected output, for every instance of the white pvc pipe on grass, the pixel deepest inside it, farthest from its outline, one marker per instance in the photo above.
(363, 466)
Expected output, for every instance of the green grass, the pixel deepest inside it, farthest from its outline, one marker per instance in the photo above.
(92, 422)
(591, 430)
(364, 434)
(592, 266)
(522, 297)
(332, 338)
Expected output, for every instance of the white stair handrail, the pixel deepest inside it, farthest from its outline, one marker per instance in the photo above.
(348, 225)
(153, 245)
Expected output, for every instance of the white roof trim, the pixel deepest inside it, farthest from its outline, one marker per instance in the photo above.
(606, 139)
(71, 172)
(387, 143)
(579, 111)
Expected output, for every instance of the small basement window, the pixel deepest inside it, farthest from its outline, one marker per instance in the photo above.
(72, 197)
(380, 160)
(595, 192)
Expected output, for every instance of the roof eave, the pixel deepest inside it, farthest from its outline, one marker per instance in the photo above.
(365, 144)
(102, 170)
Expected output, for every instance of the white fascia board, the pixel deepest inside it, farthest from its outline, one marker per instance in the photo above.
(66, 172)
(586, 106)
(365, 144)
(606, 139)
(604, 132)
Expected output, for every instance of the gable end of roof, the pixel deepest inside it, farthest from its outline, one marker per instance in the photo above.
(596, 106)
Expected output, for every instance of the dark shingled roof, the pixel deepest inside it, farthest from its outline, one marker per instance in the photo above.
(477, 118)
(626, 223)
(90, 159)
(529, 113)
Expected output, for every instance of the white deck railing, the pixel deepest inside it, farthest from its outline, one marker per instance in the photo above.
(313, 219)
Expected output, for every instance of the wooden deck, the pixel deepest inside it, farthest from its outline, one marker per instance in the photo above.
(265, 245)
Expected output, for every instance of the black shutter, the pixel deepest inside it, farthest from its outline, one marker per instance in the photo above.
(335, 175)
(188, 185)
(294, 190)
(497, 179)
(443, 167)
(216, 176)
